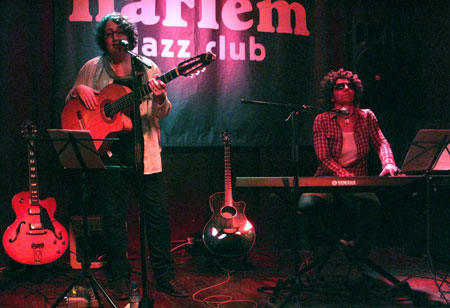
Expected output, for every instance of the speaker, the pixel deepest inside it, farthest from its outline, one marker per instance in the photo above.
(93, 243)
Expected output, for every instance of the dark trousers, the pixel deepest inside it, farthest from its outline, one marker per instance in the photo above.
(113, 189)
(349, 216)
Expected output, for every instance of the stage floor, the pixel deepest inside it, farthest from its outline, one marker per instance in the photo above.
(237, 281)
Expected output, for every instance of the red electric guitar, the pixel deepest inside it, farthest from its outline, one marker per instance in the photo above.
(35, 237)
(108, 120)
(228, 233)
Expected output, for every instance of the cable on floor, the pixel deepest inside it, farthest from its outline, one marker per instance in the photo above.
(219, 301)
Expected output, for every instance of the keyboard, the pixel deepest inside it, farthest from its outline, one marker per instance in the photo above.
(328, 183)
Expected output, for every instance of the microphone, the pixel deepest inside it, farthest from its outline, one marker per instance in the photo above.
(292, 106)
(249, 101)
(342, 111)
(124, 44)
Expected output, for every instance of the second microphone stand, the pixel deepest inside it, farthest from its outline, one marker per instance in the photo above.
(294, 283)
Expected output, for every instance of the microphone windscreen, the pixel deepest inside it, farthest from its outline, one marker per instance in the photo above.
(344, 111)
(124, 43)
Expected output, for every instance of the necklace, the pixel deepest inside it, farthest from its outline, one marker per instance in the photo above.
(347, 119)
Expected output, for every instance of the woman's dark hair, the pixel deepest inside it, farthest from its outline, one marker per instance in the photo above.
(329, 81)
(123, 22)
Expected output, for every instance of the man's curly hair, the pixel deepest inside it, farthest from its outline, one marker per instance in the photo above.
(329, 81)
(123, 22)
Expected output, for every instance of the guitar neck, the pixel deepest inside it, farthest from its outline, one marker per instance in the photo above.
(32, 172)
(228, 186)
(128, 100)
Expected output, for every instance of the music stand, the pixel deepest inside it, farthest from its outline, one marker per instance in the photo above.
(76, 150)
(428, 152)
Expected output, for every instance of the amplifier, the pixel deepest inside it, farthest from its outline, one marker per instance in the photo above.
(93, 243)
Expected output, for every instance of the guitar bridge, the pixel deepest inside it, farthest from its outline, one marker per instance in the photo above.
(80, 120)
(230, 230)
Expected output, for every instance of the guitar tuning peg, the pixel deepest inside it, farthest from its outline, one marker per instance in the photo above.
(203, 69)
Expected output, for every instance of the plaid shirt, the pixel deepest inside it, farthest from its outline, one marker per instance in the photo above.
(327, 138)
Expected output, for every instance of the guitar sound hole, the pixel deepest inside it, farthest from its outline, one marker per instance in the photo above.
(108, 110)
(228, 212)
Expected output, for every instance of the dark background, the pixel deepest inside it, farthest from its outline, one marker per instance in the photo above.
(405, 43)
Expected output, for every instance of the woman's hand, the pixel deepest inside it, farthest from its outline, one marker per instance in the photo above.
(390, 169)
(87, 96)
(159, 90)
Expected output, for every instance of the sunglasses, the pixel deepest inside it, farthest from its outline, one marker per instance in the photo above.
(341, 86)
(119, 32)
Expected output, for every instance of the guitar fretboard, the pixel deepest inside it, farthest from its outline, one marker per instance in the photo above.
(227, 165)
(128, 99)
(32, 171)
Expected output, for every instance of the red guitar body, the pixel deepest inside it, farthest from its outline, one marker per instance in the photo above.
(76, 116)
(35, 237)
(107, 120)
(26, 241)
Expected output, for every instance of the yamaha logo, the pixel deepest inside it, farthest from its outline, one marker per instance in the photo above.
(343, 183)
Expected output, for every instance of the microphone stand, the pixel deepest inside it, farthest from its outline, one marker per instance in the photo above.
(296, 106)
(294, 283)
(145, 302)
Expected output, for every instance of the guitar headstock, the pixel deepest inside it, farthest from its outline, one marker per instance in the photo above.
(28, 130)
(196, 64)
(226, 138)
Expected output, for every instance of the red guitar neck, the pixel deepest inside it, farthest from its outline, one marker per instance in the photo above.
(33, 179)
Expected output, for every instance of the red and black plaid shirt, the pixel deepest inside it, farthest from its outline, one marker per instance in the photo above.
(327, 138)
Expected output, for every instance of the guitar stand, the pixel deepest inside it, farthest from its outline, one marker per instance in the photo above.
(76, 150)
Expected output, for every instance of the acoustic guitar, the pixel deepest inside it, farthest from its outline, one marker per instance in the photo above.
(228, 233)
(108, 120)
(35, 237)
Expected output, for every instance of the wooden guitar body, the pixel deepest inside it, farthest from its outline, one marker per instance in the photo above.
(101, 125)
(27, 240)
(228, 232)
(108, 120)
